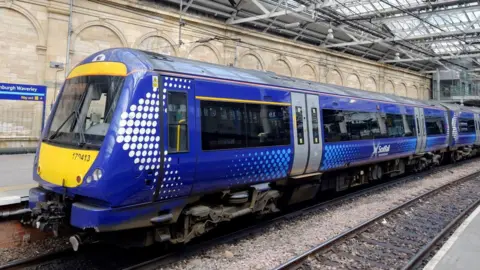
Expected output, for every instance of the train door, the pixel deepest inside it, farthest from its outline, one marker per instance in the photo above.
(178, 120)
(300, 134)
(315, 141)
(421, 132)
(477, 128)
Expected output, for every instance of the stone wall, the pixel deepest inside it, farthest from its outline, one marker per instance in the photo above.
(33, 33)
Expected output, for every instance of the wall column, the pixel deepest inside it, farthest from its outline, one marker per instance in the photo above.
(56, 49)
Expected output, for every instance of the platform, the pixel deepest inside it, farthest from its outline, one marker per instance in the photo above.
(15, 178)
(462, 250)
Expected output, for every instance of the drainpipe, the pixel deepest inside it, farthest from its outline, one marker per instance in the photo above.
(69, 37)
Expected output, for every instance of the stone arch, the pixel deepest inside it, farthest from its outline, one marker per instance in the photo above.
(205, 53)
(412, 92)
(251, 60)
(21, 46)
(162, 43)
(101, 23)
(22, 61)
(281, 66)
(30, 18)
(334, 76)
(370, 84)
(92, 37)
(353, 81)
(401, 90)
(307, 72)
(389, 88)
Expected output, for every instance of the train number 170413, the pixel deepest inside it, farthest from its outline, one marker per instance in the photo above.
(78, 156)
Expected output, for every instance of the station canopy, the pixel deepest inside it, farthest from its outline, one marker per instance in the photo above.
(419, 35)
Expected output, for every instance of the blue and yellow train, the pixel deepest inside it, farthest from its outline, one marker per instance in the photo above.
(169, 147)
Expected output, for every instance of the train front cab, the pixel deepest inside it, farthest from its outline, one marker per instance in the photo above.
(100, 155)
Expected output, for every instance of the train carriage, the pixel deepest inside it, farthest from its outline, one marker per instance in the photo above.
(176, 146)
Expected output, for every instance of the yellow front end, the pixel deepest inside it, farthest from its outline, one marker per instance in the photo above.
(63, 166)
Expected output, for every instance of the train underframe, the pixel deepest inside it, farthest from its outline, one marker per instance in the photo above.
(204, 213)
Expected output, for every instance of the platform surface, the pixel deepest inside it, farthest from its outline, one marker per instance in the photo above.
(462, 250)
(15, 178)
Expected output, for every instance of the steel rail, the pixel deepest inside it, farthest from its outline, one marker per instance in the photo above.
(166, 259)
(430, 246)
(184, 251)
(290, 264)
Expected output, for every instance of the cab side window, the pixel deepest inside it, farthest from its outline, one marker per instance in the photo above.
(177, 122)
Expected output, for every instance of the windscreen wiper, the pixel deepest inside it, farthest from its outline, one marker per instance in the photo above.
(77, 117)
(60, 127)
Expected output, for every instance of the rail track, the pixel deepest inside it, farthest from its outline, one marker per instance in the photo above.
(164, 260)
(150, 258)
(401, 238)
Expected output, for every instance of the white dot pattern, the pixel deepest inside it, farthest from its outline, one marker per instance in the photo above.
(133, 133)
(172, 185)
(259, 166)
(139, 138)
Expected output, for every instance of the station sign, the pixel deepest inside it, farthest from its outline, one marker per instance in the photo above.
(23, 92)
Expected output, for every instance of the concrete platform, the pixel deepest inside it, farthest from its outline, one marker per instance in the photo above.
(462, 250)
(15, 178)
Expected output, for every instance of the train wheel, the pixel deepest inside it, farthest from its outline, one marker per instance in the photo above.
(452, 157)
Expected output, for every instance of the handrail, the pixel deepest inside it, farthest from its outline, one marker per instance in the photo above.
(178, 133)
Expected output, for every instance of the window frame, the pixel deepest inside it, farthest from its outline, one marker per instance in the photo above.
(466, 119)
(186, 124)
(245, 117)
(442, 118)
(374, 137)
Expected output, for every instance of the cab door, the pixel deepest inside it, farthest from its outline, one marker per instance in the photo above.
(421, 130)
(178, 121)
(300, 134)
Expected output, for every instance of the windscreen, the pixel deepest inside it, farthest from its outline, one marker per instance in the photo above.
(85, 110)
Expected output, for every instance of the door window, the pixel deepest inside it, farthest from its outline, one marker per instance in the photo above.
(177, 122)
(300, 133)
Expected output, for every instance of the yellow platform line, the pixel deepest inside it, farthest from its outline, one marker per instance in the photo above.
(18, 187)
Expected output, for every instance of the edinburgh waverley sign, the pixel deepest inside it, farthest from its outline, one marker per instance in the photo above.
(22, 92)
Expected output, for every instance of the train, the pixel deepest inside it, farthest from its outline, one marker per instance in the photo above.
(165, 149)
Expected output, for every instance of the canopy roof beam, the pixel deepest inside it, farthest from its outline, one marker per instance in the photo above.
(432, 58)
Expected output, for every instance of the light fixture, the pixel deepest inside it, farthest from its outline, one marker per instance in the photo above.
(97, 174)
(330, 34)
(292, 25)
(397, 56)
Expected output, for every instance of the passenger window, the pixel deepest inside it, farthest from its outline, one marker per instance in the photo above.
(299, 119)
(466, 125)
(177, 122)
(351, 125)
(267, 125)
(434, 125)
(409, 123)
(223, 125)
(316, 134)
(228, 125)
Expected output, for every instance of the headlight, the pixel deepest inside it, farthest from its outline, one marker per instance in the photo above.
(97, 174)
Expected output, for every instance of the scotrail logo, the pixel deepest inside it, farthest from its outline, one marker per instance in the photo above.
(380, 150)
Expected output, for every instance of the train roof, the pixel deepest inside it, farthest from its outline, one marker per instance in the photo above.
(181, 65)
(136, 59)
